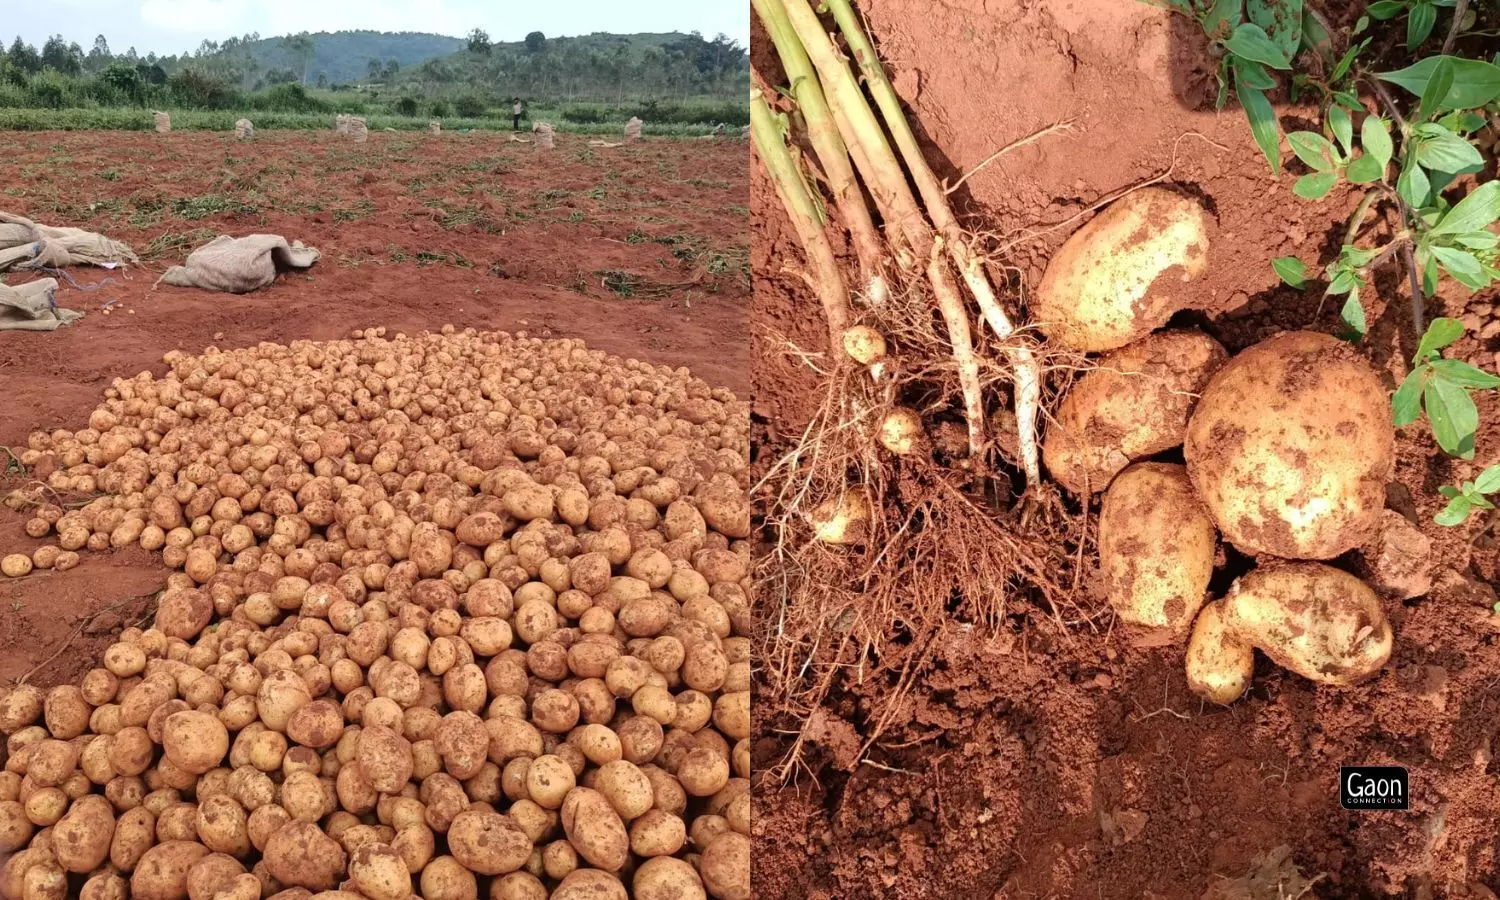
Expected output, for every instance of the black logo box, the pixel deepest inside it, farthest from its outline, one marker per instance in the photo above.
(1374, 787)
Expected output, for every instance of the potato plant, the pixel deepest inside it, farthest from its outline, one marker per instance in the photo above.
(455, 615)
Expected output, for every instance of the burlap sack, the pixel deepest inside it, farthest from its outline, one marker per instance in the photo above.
(434, 127)
(341, 123)
(163, 122)
(239, 265)
(30, 307)
(244, 130)
(543, 135)
(46, 247)
(633, 129)
(358, 130)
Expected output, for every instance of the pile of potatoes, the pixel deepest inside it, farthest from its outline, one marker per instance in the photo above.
(1287, 448)
(458, 615)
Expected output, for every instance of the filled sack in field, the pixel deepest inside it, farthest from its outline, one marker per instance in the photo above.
(633, 129)
(163, 122)
(543, 133)
(30, 307)
(244, 130)
(240, 265)
(358, 130)
(434, 127)
(49, 247)
(341, 123)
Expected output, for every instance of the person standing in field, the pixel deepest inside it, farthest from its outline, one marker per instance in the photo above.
(515, 115)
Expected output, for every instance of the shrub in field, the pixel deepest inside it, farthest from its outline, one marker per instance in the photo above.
(440, 108)
(470, 106)
(406, 106)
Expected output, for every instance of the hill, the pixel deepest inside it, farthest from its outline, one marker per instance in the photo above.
(339, 57)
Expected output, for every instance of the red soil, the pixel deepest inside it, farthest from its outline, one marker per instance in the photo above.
(1023, 768)
(537, 230)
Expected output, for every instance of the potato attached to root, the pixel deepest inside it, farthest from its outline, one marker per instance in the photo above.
(1156, 551)
(1134, 404)
(1320, 622)
(843, 520)
(1124, 274)
(1291, 447)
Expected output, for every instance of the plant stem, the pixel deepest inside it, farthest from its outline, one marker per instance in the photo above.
(1460, 9)
(823, 131)
(935, 198)
(1365, 203)
(826, 280)
(1417, 300)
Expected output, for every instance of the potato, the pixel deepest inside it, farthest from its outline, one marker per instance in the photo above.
(548, 781)
(107, 885)
(1124, 273)
(1156, 551)
(595, 830)
(52, 762)
(1291, 447)
(135, 832)
(1320, 622)
(16, 565)
(222, 825)
(445, 878)
(488, 843)
(1134, 404)
(299, 854)
(384, 758)
(725, 867)
(657, 833)
(1219, 665)
(667, 878)
(15, 828)
(81, 839)
(20, 706)
(842, 520)
(185, 613)
(45, 881)
(212, 874)
(162, 871)
(195, 741)
(864, 344)
(589, 884)
(379, 873)
(318, 724)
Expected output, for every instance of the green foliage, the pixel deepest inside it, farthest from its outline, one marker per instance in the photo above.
(1441, 388)
(470, 106)
(1291, 271)
(1467, 497)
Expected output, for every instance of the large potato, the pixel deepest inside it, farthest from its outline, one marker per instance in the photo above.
(1156, 550)
(1134, 404)
(1320, 622)
(595, 830)
(299, 854)
(81, 839)
(725, 867)
(1123, 274)
(1219, 665)
(162, 872)
(1291, 446)
(195, 741)
(488, 843)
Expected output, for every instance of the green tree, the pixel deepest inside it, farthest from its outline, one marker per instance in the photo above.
(479, 42)
(375, 68)
(535, 41)
(392, 66)
(24, 57)
(99, 56)
(58, 55)
(302, 46)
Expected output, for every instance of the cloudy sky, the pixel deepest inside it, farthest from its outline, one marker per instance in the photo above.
(172, 26)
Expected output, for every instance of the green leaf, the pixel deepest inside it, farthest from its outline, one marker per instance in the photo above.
(1222, 18)
(1463, 266)
(1311, 187)
(1253, 74)
(1475, 83)
(1375, 137)
(1281, 20)
(1385, 9)
(1440, 333)
(1348, 100)
(1413, 186)
(1291, 270)
(1342, 282)
(1473, 212)
(1488, 481)
(1250, 41)
(1419, 24)
(1406, 403)
(1313, 149)
(1364, 169)
(1444, 151)
(1480, 502)
(1478, 240)
(1455, 512)
(1353, 314)
(1314, 36)
(1456, 371)
(1453, 416)
(1262, 124)
(1343, 127)
(1438, 85)
(1449, 490)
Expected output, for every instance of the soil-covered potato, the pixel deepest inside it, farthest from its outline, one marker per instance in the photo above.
(299, 854)
(725, 867)
(595, 830)
(1123, 274)
(1318, 621)
(1134, 404)
(195, 741)
(667, 878)
(81, 838)
(1291, 447)
(488, 843)
(1156, 551)
(163, 870)
(1219, 665)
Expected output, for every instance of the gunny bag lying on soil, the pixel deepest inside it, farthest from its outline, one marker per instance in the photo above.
(30, 307)
(240, 265)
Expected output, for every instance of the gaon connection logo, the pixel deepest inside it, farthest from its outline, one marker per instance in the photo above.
(1373, 787)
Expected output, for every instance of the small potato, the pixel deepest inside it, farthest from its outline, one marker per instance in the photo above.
(864, 344)
(46, 806)
(16, 565)
(81, 839)
(488, 843)
(703, 772)
(589, 884)
(1318, 621)
(222, 825)
(1156, 551)
(135, 832)
(1291, 446)
(162, 871)
(107, 885)
(299, 854)
(725, 867)
(1122, 274)
(626, 787)
(1219, 665)
(445, 878)
(657, 833)
(548, 781)
(667, 878)
(1134, 404)
(318, 724)
(595, 830)
(195, 741)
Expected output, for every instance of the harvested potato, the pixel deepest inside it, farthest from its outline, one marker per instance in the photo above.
(1133, 404)
(589, 884)
(195, 741)
(1318, 621)
(81, 839)
(725, 867)
(162, 871)
(667, 878)
(1156, 551)
(1125, 272)
(379, 873)
(1291, 447)
(1219, 665)
(595, 830)
(299, 854)
(488, 843)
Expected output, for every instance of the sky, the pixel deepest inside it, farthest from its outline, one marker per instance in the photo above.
(174, 26)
